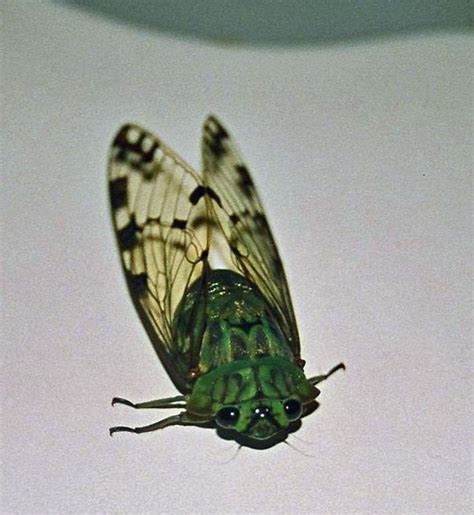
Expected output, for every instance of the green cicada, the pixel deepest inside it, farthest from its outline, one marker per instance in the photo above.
(226, 336)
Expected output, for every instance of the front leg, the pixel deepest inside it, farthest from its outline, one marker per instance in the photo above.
(318, 379)
(182, 419)
(170, 402)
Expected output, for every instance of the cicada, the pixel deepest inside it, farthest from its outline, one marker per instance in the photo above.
(227, 336)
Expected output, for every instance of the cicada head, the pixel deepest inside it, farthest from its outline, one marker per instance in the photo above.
(260, 419)
(260, 399)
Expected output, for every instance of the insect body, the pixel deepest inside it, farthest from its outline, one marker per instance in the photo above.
(227, 337)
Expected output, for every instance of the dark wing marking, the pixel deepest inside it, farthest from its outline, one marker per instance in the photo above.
(242, 219)
(157, 201)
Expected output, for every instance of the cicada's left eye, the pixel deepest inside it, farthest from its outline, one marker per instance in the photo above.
(293, 409)
(227, 417)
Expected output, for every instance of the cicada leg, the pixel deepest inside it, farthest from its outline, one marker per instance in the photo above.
(170, 402)
(318, 379)
(182, 419)
(175, 420)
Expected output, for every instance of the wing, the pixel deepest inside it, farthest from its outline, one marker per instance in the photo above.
(157, 204)
(242, 220)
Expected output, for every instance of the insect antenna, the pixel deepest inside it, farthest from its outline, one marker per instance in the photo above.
(298, 450)
(306, 442)
(232, 458)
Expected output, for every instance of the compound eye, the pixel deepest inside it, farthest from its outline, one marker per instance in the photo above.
(293, 409)
(227, 417)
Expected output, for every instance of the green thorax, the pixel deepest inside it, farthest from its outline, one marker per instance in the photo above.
(238, 323)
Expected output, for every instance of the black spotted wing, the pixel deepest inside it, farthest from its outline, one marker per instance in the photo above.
(242, 219)
(157, 201)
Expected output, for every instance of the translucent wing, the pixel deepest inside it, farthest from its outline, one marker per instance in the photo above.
(242, 219)
(157, 202)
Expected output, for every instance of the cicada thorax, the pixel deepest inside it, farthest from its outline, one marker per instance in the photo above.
(224, 321)
(247, 378)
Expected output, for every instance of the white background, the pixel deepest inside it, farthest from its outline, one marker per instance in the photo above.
(362, 156)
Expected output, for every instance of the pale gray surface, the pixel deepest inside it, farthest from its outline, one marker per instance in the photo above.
(363, 160)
